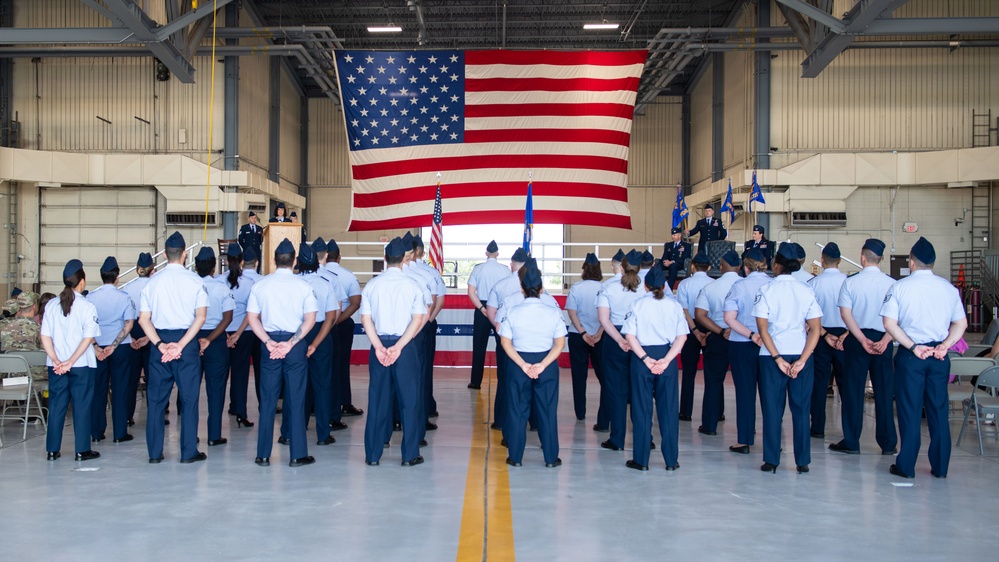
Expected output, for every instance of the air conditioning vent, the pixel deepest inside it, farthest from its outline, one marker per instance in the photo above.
(191, 219)
(804, 219)
(259, 209)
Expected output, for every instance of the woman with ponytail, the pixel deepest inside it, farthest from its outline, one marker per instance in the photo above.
(655, 330)
(239, 340)
(69, 327)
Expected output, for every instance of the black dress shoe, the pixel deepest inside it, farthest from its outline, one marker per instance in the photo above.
(302, 461)
(599, 429)
(166, 422)
(350, 410)
(231, 411)
(700, 429)
(636, 466)
(554, 464)
(842, 448)
(431, 426)
(53, 455)
(743, 449)
(397, 426)
(124, 438)
(608, 445)
(496, 427)
(241, 421)
(386, 445)
(721, 418)
(889, 451)
(504, 443)
(533, 428)
(87, 455)
(673, 467)
(262, 461)
(413, 461)
(818, 435)
(282, 440)
(434, 414)
(510, 462)
(157, 460)
(895, 470)
(278, 410)
(802, 469)
(473, 386)
(219, 441)
(131, 422)
(337, 426)
(767, 467)
(684, 418)
(98, 439)
(328, 441)
(652, 446)
(371, 463)
(937, 475)
(196, 458)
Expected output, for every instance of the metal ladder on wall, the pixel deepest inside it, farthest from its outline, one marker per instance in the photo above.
(981, 216)
(10, 276)
(981, 129)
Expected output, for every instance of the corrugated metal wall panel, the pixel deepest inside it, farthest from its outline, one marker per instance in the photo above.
(654, 156)
(700, 129)
(739, 120)
(329, 165)
(291, 134)
(254, 112)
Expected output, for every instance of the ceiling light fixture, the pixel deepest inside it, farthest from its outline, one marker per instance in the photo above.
(384, 29)
(603, 25)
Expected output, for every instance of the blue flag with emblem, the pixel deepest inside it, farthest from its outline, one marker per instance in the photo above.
(529, 219)
(680, 210)
(756, 194)
(727, 205)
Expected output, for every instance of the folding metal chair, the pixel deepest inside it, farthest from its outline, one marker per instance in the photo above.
(982, 404)
(12, 366)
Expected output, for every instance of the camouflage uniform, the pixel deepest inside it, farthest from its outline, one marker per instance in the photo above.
(22, 334)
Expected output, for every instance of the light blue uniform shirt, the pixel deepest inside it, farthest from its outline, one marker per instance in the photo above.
(689, 288)
(925, 305)
(282, 299)
(437, 286)
(421, 280)
(618, 299)
(506, 287)
(786, 303)
(172, 297)
(741, 298)
(485, 275)
(345, 278)
(513, 300)
(253, 275)
(68, 331)
(240, 296)
(655, 322)
(391, 299)
(220, 301)
(114, 308)
(583, 299)
(712, 297)
(326, 296)
(826, 287)
(864, 293)
(533, 326)
(134, 290)
(616, 278)
(802, 275)
(642, 273)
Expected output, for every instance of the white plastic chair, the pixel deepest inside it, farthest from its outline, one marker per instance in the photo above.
(21, 394)
(982, 404)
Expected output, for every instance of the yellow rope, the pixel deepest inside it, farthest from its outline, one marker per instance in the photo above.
(211, 116)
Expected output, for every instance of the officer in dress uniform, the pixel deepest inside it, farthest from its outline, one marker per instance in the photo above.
(655, 329)
(321, 249)
(172, 310)
(251, 235)
(924, 313)
(280, 214)
(282, 310)
(349, 304)
(675, 253)
(783, 309)
(760, 242)
(480, 284)
(116, 314)
(744, 346)
(867, 348)
(613, 304)
(69, 327)
(828, 358)
(585, 333)
(140, 343)
(686, 295)
(212, 342)
(603, 422)
(709, 310)
(533, 336)
(439, 290)
(239, 338)
(502, 289)
(392, 311)
(710, 228)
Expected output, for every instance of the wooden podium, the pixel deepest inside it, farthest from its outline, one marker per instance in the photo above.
(274, 233)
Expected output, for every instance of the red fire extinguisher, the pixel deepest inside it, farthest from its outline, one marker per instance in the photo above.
(975, 311)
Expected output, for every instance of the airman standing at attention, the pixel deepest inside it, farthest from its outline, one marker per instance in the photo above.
(350, 301)
(710, 229)
(480, 284)
(212, 342)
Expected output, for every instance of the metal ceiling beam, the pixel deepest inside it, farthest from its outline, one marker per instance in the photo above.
(932, 26)
(206, 9)
(93, 35)
(825, 18)
(859, 18)
(128, 13)
(799, 24)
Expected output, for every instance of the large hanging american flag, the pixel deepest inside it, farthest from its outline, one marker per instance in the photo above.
(487, 118)
(437, 232)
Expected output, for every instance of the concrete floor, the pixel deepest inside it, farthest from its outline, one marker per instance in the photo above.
(465, 503)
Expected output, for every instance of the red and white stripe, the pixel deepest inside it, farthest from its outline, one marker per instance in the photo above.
(564, 116)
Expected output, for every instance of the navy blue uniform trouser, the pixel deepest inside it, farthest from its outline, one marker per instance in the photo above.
(665, 390)
(139, 363)
(321, 382)
(617, 368)
(255, 348)
(77, 386)
(522, 392)
(715, 367)
(922, 383)
(857, 363)
(671, 273)
(689, 355)
(239, 363)
(418, 349)
(581, 355)
(292, 372)
(343, 333)
(745, 360)
(215, 365)
(500, 400)
(778, 390)
(403, 373)
(115, 372)
(481, 328)
(828, 366)
(186, 372)
(428, 367)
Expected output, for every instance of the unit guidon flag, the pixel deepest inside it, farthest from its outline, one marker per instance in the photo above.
(486, 120)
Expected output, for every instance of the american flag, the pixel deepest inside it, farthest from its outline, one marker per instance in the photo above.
(436, 233)
(487, 118)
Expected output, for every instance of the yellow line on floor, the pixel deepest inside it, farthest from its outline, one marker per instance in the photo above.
(486, 517)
